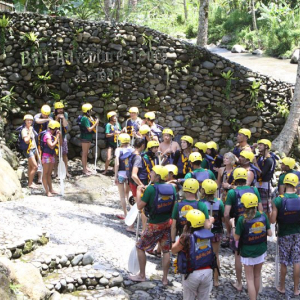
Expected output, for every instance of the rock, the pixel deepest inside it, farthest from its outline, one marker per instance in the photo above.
(226, 39)
(146, 285)
(249, 119)
(114, 294)
(237, 49)
(116, 281)
(15, 77)
(10, 187)
(5, 291)
(257, 52)
(87, 259)
(208, 65)
(9, 156)
(160, 87)
(77, 259)
(295, 56)
(104, 281)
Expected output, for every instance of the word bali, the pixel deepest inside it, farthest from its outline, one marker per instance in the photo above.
(41, 58)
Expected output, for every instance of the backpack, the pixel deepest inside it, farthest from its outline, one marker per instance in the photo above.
(158, 132)
(21, 145)
(142, 173)
(289, 212)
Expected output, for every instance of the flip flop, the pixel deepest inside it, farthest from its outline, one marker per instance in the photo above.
(122, 217)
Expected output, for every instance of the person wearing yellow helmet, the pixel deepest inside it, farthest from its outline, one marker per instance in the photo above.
(146, 134)
(112, 131)
(151, 155)
(87, 125)
(49, 144)
(252, 229)
(215, 208)
(41, 120)
(207, 160)
(195, 257)
(173, 172)
(168, 147)
(242, 142)
(286, 212)
(181, 157)
(287, 167)
(61, 116)
(155, 128)
(234, 209)
(157, 201)
(27, 144)
(212, 151)
(134, 123)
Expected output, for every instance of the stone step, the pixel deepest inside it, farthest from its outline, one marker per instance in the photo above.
(81, 278)
(17, 242)
(54, 257)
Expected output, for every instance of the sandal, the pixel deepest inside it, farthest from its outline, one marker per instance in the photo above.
(225, 242)
(122, 217)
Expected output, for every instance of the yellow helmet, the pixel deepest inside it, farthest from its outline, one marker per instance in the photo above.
(191, 185)
(291, 178)
(133, 110)
(196, 217)
(265, 142)
(195, 156)
(86, 107)
(247, 154)
(162, 171)
(53, 124)
(188, 139)
(151, 144)
(209, 186)
(201, 146)
(245, 132)
(212, 145)
(46, 110)
(144, 129)
(249, 200)
(240, 173)
(111, 114)
(28, 117)
(288, 161)
(150, 115)
(124, 138)
(58, 105)
(168, 131)
(172, 168)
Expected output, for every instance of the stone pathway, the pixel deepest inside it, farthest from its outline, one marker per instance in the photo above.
(90, 224)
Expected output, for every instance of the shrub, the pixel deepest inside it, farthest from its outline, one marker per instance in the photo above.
(190, 32)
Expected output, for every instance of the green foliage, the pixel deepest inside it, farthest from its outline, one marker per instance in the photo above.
(254, 90)
(228, 77)
(233, 124)
(260, 105)
(283, 109)
(146, 101)
(41, 85)
(191, 32)
(4, 22)
(7, 102)
(33, 39)
(14, 287)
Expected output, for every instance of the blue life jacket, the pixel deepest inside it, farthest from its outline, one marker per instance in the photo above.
(237, 151)
(183, 164)
(255, 231)
(21, 145)
(124, 160)
(255, 171)
(216, 163)
(83, 129)
(39, 127)
(200, 176)
(113, 128)
(271, 171)
(238, 208)
(142, 172)
(157, 130)
(44, 146)
(150, 161)
(289, 213)
(200, 253)
(216, 212)
(132, 126)
(210, 161)
(183, 208)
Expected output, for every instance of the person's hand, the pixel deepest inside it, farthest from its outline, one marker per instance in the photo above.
(225, 185)
(116, 181)
(30, 129)
(141, 188)
(212, 220)
(216, 169)
(97, 122)
(57, 133)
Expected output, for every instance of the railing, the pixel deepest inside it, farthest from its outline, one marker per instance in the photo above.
(6, 6)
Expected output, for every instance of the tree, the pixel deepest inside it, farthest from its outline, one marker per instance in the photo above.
(185, 11)
(283, 143)
(203, 23)
(253, 15)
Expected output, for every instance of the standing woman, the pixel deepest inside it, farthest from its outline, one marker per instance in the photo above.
(49, 143)
(251, 232)
(87, 125)
(212, 150)
(28, 145)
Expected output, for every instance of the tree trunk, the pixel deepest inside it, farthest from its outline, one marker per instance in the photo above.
(118, 10)
(107, 9)
(253, 15)
(203, 23)
(185, 11)
(283, 143)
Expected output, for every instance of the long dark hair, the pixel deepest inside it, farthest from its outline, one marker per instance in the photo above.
(187, 231)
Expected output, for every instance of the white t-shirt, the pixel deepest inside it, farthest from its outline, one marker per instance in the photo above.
(117, 155)
(24, 133)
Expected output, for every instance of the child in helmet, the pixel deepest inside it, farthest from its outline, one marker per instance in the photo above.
(195, 257)
(122, 155)
(251, 231)
(28, 146)
(215, 208)
(168, 147)
(60, 115)
(112, 131)
(87, 125)
(181, 157)
(134, 123)
(50, 141)
(286, 212)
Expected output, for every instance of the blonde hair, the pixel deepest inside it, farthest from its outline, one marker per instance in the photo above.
(231, 157)
(249, 213)
(208, 197)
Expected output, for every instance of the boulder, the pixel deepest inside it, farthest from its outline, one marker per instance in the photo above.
(9, 156)
(257, 52)
(295, 56)
(226, 39)
(237, 49)
(10, 187)
(5, 290)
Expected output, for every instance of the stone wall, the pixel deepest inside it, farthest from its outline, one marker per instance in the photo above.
(118, 66)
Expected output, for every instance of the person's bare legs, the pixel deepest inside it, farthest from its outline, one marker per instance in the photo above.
(257, 277)
(46, 168)
(32, 168)
(238, 272)
(50, 180)
(141, 276)
(127, 190)
(55, 166)
(165, 267)
(249, 273)
(65, 159)
(84, 155)
(108, 158)
(296, 279)
(283, 271)
(216, 249)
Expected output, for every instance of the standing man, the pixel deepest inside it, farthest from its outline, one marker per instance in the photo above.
(134, 123)
(155, 128)
(242, 142)
(158, 201)
(168, 147)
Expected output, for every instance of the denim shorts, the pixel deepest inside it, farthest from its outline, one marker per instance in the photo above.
(30, 154)
(121, 179)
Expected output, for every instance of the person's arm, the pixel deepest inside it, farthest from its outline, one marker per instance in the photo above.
(27, 136)
(238, 229)
(281, 189)
(53, 144)
(117, 154)
(220, 173)
(178, 246)
(267, 167)
(139, 202)
(250, 178)
(91, 128)
(274, 212)
(176, 157)
(227, 219)
(42, 121)
(173, 230)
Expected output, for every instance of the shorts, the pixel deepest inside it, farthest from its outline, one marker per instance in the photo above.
(112, 146)
(30, 154)
(121, 179)
(264, 195)
(217, 237)
(155, 233)
(85, 141)
(252, 261)
(133, 187)
(289, 249)
(48, 159)
(65, 147)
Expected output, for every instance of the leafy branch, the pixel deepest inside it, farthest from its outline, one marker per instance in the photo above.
(228, 77)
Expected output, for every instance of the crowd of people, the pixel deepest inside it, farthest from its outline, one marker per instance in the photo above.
(193, 199)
